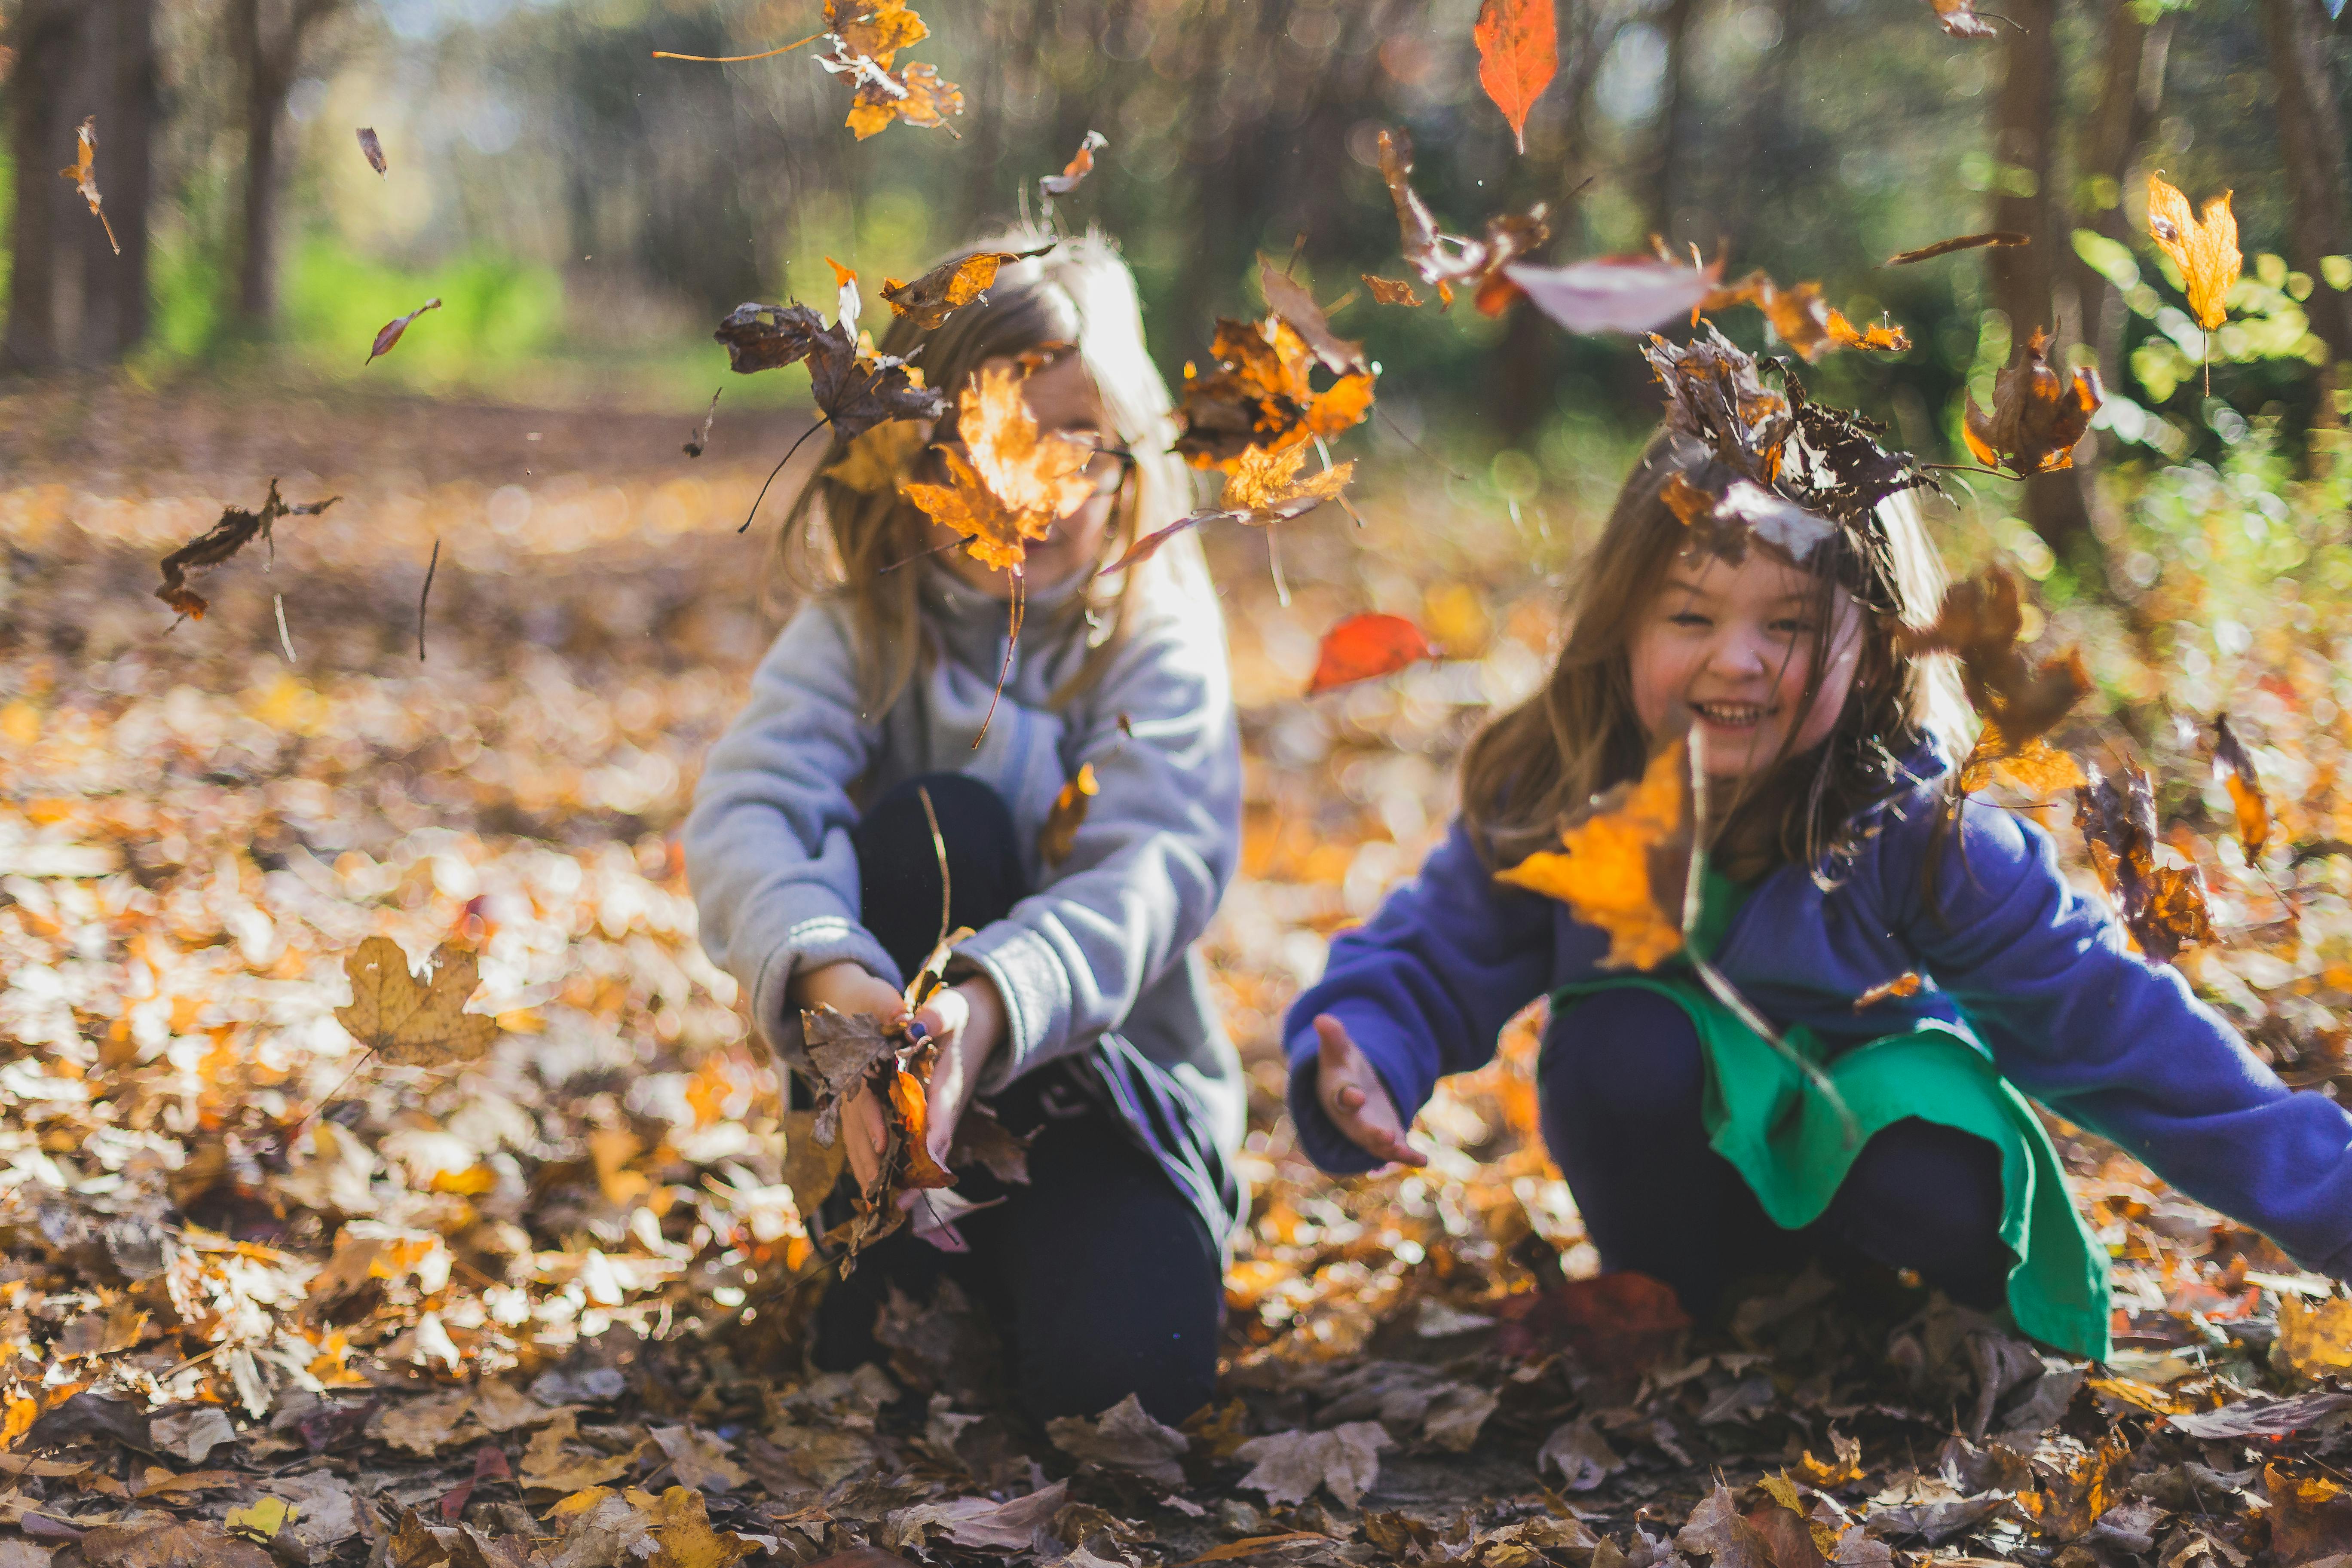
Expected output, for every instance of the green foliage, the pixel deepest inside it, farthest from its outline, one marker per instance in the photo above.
(496, 311)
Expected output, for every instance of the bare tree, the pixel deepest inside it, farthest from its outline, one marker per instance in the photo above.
(267, 37)
(2310, 144)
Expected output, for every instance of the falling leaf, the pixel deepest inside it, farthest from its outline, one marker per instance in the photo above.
(2037, 417)
(1286, 298)
(1444, 260)
(2163, 907)
(1518, 54)
(1803, 319)
(848, 306)
(1623, 862)
(1960, 20)
(865, 45)
(1262, 489)
(389, 333)
(2036, 768)
(2236, 768)
(83, 173)
(1010, 484)
(909, 1100)
(879, 458)
(1979, 621)
(236, 529)
(1997, 237)
(697, 443)
(937, 294)
(1081, 164)
(1288, 1467)
(2205, 247)
(1055, 839)
(1617, 293)
(854, 390)
(372, 150)
(1123, 1437)
(1262, 395)
(410, 1025)
(1366, 645)
(1904, 985)
(1391, 290)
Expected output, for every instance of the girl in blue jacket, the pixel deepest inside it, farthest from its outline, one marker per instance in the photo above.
(1844, 860)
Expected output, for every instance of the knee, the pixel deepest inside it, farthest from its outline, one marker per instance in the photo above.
(1929, 1178)
(1171, 1372)
(1627, 1053)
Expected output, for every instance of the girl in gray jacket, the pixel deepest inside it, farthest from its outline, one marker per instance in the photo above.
(1079, 1010)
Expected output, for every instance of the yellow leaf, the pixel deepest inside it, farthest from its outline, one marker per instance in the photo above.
(1622, 867)
(264, 1519)
(413, 1025)
(1010, 484)
(879, 458)
(2205, 248)
(683, 1529)
(2314, 1338)
(1069, 814)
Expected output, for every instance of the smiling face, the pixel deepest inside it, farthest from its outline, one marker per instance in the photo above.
(1731, 650)
(1062, 400)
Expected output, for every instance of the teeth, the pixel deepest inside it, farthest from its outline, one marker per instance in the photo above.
(1730, 712)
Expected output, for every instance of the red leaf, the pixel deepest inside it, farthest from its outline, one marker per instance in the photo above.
(1361, 647)
(389, 333)
(1518, 52)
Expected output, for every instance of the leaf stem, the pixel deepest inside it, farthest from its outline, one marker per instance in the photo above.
(737, 60)
(780, 469)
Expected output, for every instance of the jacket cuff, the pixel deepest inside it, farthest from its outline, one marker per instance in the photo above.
(1035, 984)
(811, 944)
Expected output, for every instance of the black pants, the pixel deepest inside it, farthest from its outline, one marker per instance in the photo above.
(1100, 1278)
(1620, 1078)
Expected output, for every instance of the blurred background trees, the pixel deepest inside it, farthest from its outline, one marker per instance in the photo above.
(587, 212)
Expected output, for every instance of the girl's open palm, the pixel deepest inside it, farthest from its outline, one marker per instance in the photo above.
(1355, 1099)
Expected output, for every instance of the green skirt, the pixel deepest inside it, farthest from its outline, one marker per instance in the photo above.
(1782, 1134)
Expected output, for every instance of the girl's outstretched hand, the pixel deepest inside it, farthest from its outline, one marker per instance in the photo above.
(1355, 1099)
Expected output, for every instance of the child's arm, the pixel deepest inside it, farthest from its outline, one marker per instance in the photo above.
(2105, 1040)
(767, 845)
(1421, 991)
(1160, 840)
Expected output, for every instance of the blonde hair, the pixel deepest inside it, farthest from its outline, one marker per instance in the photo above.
(1531, 767)
(839, 541)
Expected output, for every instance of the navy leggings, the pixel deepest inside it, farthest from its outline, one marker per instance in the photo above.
(1099, 1276)
(1621, 1077)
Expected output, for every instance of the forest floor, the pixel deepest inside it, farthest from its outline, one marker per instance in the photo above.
(264, 1301)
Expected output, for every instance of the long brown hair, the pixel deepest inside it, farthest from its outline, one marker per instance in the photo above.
(841, 540)
(1533, 766)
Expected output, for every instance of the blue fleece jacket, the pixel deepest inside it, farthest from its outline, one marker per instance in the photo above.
(2044, 978)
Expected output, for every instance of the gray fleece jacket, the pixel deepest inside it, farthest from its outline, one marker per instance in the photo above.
(1100, 958)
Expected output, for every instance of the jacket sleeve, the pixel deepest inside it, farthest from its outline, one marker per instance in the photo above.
(1160, 840)
(1424, 989)
(2093, 1030)
(767, 844)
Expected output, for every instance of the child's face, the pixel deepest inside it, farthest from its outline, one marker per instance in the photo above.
(1730, 648)
(1062, 400)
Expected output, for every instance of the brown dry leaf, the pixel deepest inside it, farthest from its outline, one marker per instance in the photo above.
(236, 529)
(166, 1542)
(2315, 1339)
(1365, 646)
(1123, 1437)
(697, 1458)
(2245, 785)
(810, 1168)
(981, 1140)
(1287, 299)
(1391, 290)
(1979, 621)
(2037, 416)
(2205, 247)
(83, 173)
(1796, 1538)
(950, 286)
(1010, 484)
(1081, 164)
(1262, 395)
(371, 149)
(2311, 1516)
(1723, 522)
(1960, 20)
(1997, 237)
(1904, 985)
(2162, 907)
(1288, 1467)
(1068, 815)
(855, 389)
(1445, 260)
(908, 1099)
(424, 1427)
(1623, 862)
(549, 1465)
(841, 1050)
(389, 333)
(408, 1024)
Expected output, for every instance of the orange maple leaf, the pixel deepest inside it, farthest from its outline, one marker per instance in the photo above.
(1622, 866)
(1009, 485)
(2037, 417)
(1518, 54)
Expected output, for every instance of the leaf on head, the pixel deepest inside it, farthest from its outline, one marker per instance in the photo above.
(1364, 646)
(1081, 164)
(1010, 484)
(1518, 54)
(408, 1024)
(1723, 521)
(2204, 247)
(1624, 863)
(2037, 417)
(1446, 260)
(2236, 767)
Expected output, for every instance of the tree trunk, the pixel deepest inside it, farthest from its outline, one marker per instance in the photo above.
(266, 36)
(2311, 144)
(2021, 278)
(42, 35)
(122, 54)
(1669, 151)
(2130, 89)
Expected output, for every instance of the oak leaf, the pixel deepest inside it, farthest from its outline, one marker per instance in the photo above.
(1518, 54)
(1445, 260)
(413, 1025)
(390, 333)
(2204, 247)
(1081, 164)
(371, 149)
(83, 173)
(1624, 863)
(1617, 293)
(937, 294)
(1068, 813)
(2236, 768)
(1010, 485)
(2037, 416)
(1363, 647)
(236, 529)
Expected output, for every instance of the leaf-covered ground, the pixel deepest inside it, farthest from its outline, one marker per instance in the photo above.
(257, 1304)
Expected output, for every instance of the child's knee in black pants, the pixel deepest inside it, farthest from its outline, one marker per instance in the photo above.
(899, 862)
